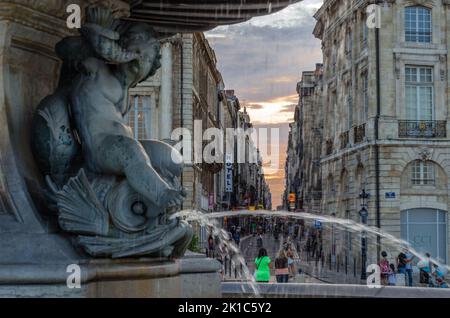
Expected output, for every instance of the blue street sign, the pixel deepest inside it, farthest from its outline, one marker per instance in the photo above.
(390, 195)
(317, 224)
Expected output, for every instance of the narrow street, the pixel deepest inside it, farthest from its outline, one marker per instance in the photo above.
(250, 250)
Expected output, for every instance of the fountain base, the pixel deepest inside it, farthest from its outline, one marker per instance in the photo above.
(193, 276)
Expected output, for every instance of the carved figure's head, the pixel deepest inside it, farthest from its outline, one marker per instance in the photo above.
(142, 39)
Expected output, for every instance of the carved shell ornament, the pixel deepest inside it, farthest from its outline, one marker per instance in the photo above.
(425, 154)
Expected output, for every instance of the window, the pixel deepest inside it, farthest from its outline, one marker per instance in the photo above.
(331, 189)
(349, 106)
(334, 59)
(419, 93)
(365, 97)
(139, 117)
(349, 44)
(422, 173)
(364, 32)
(345, 184)
(418, 25)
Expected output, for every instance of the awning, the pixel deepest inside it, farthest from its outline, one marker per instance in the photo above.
(201, 15)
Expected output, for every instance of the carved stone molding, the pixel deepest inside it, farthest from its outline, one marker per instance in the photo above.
(425, 153)
(33, 19)
(57, 8)
(49, 15)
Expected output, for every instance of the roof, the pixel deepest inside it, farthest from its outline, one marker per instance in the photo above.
(201, 15)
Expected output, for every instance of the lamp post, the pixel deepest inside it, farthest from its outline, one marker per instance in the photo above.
(363, 213)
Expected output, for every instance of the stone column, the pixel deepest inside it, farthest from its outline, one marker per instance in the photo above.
(165, 96)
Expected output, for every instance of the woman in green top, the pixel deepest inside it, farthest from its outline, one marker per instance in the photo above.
(263, 266)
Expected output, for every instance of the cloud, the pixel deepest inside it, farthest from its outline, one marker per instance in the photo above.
(254, 106)
(289, 108)
(274, 110)
(262, 60)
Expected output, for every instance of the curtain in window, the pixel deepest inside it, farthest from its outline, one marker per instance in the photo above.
(419, 93)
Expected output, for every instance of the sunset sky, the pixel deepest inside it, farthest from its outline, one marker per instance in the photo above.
(262, 60)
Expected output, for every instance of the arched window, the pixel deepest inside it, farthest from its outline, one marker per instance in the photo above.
(423, 173)
(418, 24)
(426, 230)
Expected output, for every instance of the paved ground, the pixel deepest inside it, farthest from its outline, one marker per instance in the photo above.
(313, 272)
(250, 250)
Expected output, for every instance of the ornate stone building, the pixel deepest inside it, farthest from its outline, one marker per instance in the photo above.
(303, 174)
(250, 188)
(392, 141)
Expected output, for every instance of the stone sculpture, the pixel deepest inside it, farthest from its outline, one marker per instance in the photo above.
(114, 193)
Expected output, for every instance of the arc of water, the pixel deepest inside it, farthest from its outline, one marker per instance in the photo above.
(347, 224)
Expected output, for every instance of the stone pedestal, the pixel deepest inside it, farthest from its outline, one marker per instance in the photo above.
(34, 252)
(193, 276)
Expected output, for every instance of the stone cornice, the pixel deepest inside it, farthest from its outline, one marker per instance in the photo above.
(57, 8)
(31, 18)
(50, 15)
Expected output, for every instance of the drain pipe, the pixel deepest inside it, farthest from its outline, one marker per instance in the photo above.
(181, 100)
(377, 148)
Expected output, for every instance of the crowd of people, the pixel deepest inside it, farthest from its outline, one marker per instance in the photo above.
(431, 274)
(284, 264)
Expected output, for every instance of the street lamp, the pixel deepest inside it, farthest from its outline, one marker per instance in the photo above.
(363, 213)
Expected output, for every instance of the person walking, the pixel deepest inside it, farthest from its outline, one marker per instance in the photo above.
(409, 270)
(263, 265)
(291, 265)
(281, 267)
(237, 238)
(211, 246)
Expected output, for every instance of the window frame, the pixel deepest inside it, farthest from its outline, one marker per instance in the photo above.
(416, 34)
(423, 173)
(418, 86)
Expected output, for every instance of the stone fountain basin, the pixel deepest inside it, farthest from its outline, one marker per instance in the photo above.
(192, 276)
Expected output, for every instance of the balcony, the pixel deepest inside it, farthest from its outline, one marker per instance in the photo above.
(422, 128)
(344, 140)
(359, 133)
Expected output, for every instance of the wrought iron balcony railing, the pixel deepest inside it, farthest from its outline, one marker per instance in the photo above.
(422, 128)
(359, 133)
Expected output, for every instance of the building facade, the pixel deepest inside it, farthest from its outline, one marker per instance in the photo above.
(382, 119)
(250, 189)
(303, 173)
(393, 141)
